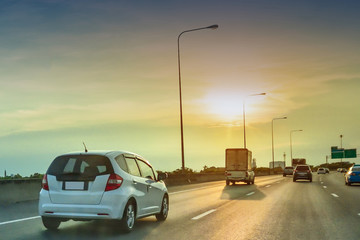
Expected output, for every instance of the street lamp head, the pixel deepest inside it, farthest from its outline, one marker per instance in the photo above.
(215, 26)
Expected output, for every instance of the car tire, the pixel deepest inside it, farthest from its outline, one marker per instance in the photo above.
(227, 182)
(310, 179)
(294, 179)
(284, 175)
(253, 181)
(164, 209)
(129, 216)
(349, 183)
(51, 223)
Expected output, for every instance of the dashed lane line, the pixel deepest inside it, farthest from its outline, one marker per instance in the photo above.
(204, 214)
(250, 193)
(334, 195)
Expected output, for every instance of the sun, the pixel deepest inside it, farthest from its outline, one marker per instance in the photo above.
(229, 106)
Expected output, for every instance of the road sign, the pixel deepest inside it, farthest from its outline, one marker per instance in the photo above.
(337, 153)
(350, 153)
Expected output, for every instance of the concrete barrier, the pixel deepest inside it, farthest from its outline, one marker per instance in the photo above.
(12, 191)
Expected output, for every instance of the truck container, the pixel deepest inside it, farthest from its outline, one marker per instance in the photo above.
(298, 161)
(238, 166)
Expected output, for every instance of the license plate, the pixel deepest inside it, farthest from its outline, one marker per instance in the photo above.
(74, 186)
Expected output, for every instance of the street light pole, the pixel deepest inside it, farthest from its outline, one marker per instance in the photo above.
(257, 94)
(300, 130)
(272, 139)
(180, 95)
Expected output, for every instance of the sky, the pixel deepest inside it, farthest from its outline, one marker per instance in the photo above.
(106, 73)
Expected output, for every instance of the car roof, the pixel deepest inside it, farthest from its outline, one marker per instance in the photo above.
(107, 153)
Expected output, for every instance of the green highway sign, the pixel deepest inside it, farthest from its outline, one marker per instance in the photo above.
(350, 153)
(337, 153)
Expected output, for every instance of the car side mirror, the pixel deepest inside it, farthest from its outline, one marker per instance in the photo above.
(162, 176)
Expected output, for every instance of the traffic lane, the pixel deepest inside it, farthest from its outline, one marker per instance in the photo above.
(28, 209)
(303, 210)
(145, 228)
(334, 184)
(18, 210)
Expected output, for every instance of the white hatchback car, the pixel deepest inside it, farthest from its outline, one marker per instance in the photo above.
(113, 185)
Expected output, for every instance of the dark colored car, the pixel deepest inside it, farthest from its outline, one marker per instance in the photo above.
(302, 172)
(288, 171)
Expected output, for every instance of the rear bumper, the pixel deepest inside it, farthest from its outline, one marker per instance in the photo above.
(105, 210)
(300, 176)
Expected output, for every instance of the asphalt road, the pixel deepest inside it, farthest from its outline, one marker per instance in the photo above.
(273, 208)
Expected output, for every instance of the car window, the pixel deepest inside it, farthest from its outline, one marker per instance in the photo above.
(302, 168)
(132, 166)
(91, 165)
(121, 162)
(356, 169)
(146, 170)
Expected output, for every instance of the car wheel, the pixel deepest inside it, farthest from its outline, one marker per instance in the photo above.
(227, 182)
(164, 209)
(349, 183)
(128, 219)
(310, 179)
(294, 179)
(253, 181)
(284, 175)
(51, 223)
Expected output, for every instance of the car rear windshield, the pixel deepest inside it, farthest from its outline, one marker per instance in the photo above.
(302, 168)
(289, 168)
(356, 169)
(80, 167)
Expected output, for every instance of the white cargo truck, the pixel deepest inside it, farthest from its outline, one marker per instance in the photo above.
(238, 166)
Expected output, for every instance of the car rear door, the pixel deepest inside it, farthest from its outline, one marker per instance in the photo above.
(155, 189)
(78, 179)
(139, 184)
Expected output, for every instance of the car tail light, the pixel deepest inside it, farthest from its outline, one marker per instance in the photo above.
(44, 183)
(353, 174)
(228, 174)
(114, 182)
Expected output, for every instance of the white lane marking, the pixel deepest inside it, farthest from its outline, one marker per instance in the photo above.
(334, 195)
(324, 186)
(189, 190)
(322, 182)
(19, 220)
(268, 186)
(204, 214)
(250, 193)
(358, 214)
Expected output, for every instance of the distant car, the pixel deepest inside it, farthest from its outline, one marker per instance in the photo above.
(321, 171)
(113, 185)
(343, 170)
(327, 170)
(302, 172)
(353, 175)
(288, 171)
